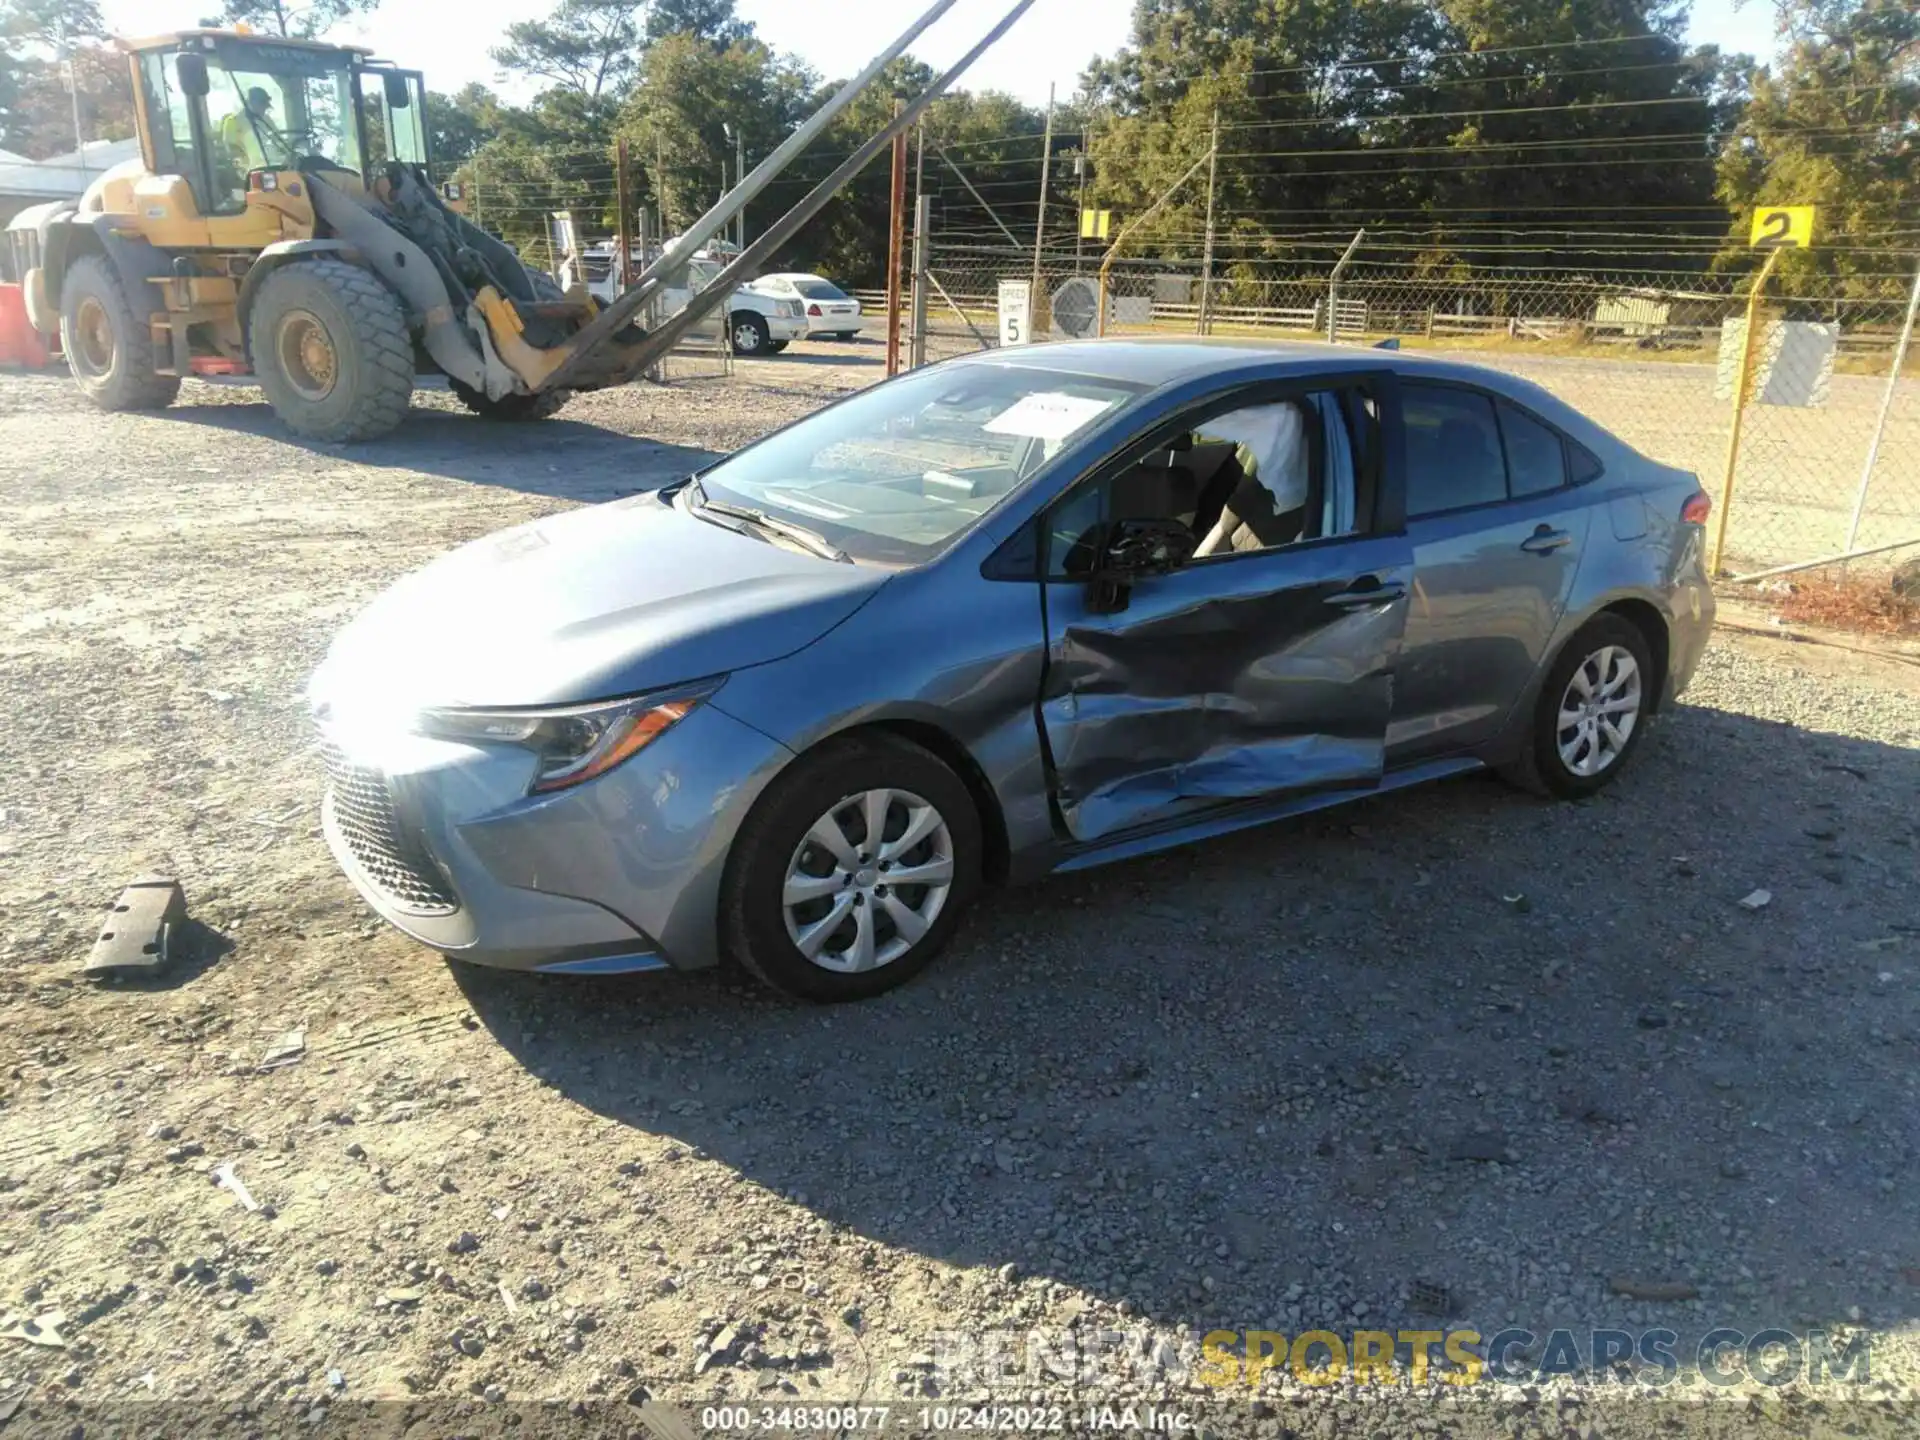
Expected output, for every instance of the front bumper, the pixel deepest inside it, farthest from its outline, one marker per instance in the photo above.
(621, 873)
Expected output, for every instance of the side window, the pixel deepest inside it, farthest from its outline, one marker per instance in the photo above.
(1259, 477)
(1536, 462)
(1453, 449)
(1073, 529)
(1582, 464)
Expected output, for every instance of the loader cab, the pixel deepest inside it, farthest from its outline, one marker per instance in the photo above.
(221, 110)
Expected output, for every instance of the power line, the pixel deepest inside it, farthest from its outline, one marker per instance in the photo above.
(1430, 58)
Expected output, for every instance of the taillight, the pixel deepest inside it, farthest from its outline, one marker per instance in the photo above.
(1697, 508)
(813, 309)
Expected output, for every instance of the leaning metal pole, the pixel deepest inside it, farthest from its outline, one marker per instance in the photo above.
(1333, 286)
(708, 225)
(673, 329)
(1886, 406)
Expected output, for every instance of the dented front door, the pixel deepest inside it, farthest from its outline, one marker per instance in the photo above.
(1261, 673)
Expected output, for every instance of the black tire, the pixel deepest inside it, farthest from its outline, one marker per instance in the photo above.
(355, 379)
(753, 915)
(108, 348)
(1541, 768)
(510, 407)
(776, 346)
(749, 333)
(846, 336)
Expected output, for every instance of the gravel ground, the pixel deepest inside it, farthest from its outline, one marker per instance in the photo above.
(1455, 1053)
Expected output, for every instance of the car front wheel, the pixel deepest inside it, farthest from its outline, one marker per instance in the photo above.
(1591, 713)
(851, 873)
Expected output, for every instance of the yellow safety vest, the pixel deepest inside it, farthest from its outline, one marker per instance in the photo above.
(237, 135)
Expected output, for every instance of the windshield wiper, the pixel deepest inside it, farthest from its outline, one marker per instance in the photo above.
(810, 540)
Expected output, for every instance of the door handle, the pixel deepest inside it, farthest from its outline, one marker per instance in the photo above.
(1367, 590)
(1545, 541)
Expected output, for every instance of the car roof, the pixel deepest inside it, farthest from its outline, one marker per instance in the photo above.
(1169, 361)
(1161, 363)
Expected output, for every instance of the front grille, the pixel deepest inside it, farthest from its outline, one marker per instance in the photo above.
(363, 809)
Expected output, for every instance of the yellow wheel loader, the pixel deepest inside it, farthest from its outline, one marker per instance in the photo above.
(282, 223)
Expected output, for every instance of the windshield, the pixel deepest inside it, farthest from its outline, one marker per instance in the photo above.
(894, 474)
(277, 106)
(819, 290)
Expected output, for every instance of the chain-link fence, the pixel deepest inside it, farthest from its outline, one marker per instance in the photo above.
(1829, 450)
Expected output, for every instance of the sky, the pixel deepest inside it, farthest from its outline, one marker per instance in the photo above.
(1051, 44)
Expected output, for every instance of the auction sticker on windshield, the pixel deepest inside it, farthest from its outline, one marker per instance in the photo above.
(1048, 415)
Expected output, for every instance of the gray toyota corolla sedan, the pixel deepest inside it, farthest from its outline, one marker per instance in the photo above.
(1034, 610)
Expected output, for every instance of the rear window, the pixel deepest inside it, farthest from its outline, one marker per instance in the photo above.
(819, 290)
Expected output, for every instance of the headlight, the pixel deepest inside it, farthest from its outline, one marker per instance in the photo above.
(575, 744)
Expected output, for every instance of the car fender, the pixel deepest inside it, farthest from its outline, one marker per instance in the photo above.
(1516, 733)
(965, 691)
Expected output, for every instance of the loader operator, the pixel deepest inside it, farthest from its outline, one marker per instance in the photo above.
(240, 132)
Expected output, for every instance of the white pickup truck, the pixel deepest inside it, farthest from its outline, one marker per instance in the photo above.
(757, 324)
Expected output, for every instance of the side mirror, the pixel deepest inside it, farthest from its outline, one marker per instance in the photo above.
(398, 96)
(1135, 550)
(192, 71)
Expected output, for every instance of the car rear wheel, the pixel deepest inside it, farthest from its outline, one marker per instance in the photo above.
(846, 335)
(1591, 713)
(750, 334)
(851, 873)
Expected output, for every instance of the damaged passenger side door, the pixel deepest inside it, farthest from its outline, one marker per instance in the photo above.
(1224, 605)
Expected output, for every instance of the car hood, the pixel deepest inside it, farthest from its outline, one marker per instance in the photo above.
(596, 603)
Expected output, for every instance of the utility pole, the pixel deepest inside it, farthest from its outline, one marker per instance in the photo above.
(922, 214)
(922, 217)
(1046, 174)
(740, 169)
(1206, 263)
(65, 51)
(621, 198)
(919, 160)
(896, 243)
(660, 185)
(1082, 163)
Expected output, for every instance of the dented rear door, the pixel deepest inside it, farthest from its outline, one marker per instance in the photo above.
(1235, 677)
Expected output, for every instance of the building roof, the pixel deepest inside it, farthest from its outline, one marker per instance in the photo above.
(61, 176)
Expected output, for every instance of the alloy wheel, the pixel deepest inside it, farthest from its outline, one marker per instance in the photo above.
(1598, 711)
(868, 880)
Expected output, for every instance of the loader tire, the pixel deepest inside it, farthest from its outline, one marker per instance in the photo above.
(108, 347)
(510, 407)
(331, 348)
